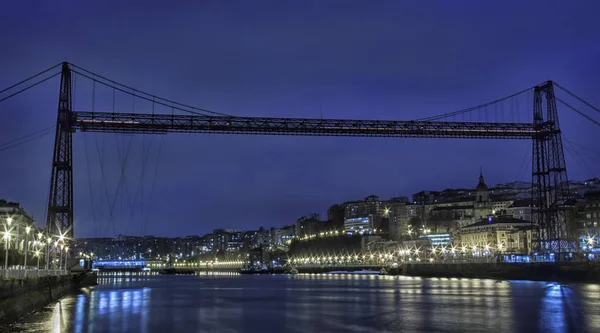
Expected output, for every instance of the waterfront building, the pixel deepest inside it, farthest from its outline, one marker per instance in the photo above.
(13, 217)
(378, 212)
(335, 216)
(520, 209)
(359, 225)
(579, 189)
(371, 205)
(309, 225)
(283, 236)
(399, 217)
(438, 239)
(227, 240)
(482, 207)
(505, 233)
(588, 224)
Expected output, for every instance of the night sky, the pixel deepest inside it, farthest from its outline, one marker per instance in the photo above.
(299, 59)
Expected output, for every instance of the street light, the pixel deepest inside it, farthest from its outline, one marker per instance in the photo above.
(590, 240)
(66, 255)
(27, 230)
(49, 241)
(9, 221)
(6, 246)
(37, 254)
(6, 238)
(61, 247)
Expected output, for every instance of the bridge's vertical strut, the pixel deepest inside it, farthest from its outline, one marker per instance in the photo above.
(60, 204)
(549, 173)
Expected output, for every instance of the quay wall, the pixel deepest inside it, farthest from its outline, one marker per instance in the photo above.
(327, 269)
(503, 271)
(19, 297)
(498, 271)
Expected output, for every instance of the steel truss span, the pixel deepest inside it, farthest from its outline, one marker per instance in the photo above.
(163, 123)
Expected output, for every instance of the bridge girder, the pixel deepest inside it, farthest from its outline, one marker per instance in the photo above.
(164, 123)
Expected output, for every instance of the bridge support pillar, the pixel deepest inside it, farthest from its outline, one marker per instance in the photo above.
(549, 178)
(59, 218)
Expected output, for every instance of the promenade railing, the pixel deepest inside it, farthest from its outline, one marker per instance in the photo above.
(30, 273)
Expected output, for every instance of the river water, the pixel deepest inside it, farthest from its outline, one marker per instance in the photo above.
(319, 303)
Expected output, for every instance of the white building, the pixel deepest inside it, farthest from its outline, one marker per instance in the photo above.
(504, 234)
(360, 225)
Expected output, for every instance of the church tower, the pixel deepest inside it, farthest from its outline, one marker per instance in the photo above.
(482, 208)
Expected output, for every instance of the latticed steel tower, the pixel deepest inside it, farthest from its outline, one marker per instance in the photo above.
(59, 220)
(550, 182)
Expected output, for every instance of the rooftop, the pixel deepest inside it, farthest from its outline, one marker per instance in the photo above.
(505, 219)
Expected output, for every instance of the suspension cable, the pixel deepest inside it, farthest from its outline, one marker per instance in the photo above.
(577, 157)
(89, 178)
(463, 111)
(148, 96)
(28, 87)
(160, 144)
(577, 97)
(159, 101)
(29, 78)
(26, 138)
(579, 112)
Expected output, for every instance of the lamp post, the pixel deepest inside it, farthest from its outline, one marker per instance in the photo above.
(61, 256)
(7, 241)
(27, 230)
(37, 254)
(66, 255)
(49, 240)
(6, 246)
(40, 243)
(59, 250)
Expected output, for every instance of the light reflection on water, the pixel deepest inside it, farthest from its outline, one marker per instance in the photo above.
(327, 303)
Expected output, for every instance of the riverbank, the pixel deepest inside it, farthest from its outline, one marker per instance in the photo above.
(20, 297)
(498, 271)
(503, 271)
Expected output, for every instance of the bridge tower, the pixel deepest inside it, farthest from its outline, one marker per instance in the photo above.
(550, 189)
(59, 220)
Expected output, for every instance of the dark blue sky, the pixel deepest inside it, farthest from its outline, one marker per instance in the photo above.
(350, 59)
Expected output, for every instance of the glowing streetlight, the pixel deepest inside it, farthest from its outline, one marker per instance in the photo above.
(590, 240)
(37, 254)
(6, 246)
(27, 230)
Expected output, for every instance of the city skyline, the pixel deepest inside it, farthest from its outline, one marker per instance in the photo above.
(323, 213)
(207, 181)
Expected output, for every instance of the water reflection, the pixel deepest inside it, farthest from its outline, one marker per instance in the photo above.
(319, 302)
(107, 310)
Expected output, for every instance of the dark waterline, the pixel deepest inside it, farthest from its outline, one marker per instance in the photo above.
(320, 303)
